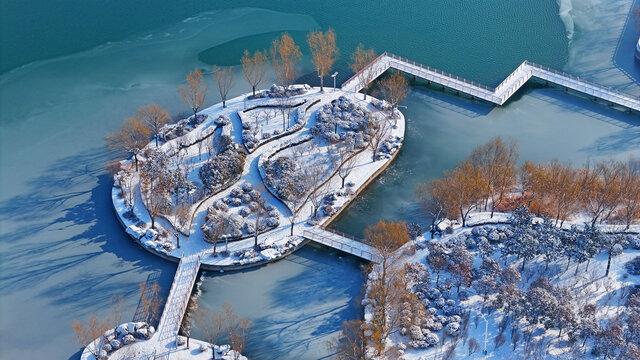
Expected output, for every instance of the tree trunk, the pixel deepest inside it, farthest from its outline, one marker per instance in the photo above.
(524, 261)
(374, 154)
(215, 244)
(224, 103)
(437, 277)
(608, 264)
(254, 89)
(321, 83)
(178, 239)
(342, 182)
(587, 268)
(568, 263)
(577, 267)
(153, 221)
(135, 157)
(292, 227)
(156, 136)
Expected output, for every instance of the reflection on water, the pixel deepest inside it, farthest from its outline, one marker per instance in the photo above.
(297, 304)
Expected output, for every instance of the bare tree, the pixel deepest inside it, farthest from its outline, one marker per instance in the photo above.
(378, 130)
(131, 138)
(182, 215)
(394, 89)
(118, 308)
(94, 329)
(214, 229)
(254, 67)
(347, 162)
(496, 160)
(359, 61)
(225, 79)
(285, 106)
(156, 184)
(150, 301)
(351, 343)
(324, 52)
(259, 210)
(295, 203)
(313, 175)
(155, 117)
(194, 93)
(386, 238)
(561, 188)
(630, 198)
(459, 191)
(433, 203)
(212, 324)
(238, 336)
(601, 189)
(284, 58)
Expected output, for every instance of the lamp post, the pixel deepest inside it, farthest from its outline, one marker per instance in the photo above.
(334, 80)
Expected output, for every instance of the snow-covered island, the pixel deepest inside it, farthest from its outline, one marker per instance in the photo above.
(241, 184)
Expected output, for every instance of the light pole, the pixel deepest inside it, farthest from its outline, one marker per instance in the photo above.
(334, 80)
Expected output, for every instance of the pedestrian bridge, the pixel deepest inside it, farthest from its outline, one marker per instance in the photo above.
(498, 95)
(178, 298)
(342, 242)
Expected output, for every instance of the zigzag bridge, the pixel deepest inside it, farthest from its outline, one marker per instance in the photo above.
(498, 95)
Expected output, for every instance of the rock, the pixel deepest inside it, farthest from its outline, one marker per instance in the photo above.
(115, 344)
(128, 339)
(203, 348)
(107, 347)
(181, 341)
(152, 330)
(141, 333)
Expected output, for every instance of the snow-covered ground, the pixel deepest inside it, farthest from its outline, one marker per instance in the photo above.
(276, 242)
(586, 284)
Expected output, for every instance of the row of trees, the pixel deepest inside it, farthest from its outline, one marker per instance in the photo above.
(490, 180)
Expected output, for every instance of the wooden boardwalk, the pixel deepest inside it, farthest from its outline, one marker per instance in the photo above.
(178, 298)
(498, 95)
(340, 242)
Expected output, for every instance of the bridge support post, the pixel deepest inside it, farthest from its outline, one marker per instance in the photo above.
(429, 82)
(473, 97)
(546, 83)
(414, 78)
(442, 87)
(457, 92)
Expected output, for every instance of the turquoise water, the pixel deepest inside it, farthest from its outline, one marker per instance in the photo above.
(73, 70)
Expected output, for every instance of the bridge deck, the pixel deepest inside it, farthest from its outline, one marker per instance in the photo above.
(178, 297)
(498, 95)
(340, 242)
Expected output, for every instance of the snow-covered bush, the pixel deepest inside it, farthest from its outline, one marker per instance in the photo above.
(431, 339)
(453, 329)
(236, 202)
(285, 176)
(246, 198)
(415, 332)
(340, 114)
(249, 228)
(115, 344)
(247, 187)
(222, 168)
(244, 212)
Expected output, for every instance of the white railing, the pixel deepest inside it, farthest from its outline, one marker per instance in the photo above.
(339, 242)
(500, 94)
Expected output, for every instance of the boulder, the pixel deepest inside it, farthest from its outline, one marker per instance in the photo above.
(115, 344)
(128, 339)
